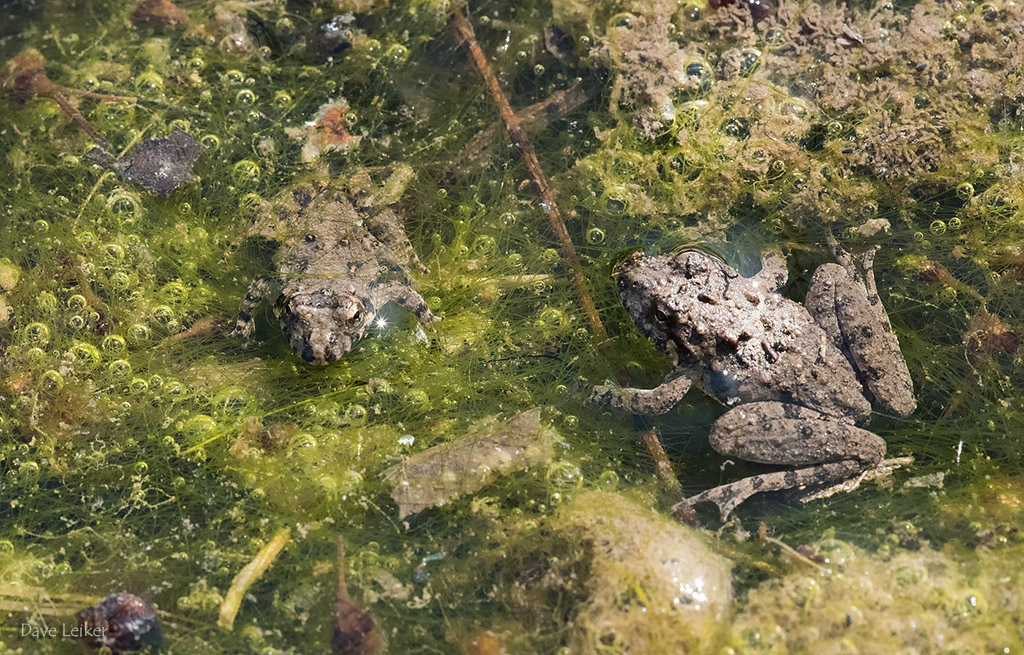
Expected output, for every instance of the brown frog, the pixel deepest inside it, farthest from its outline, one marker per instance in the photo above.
(338, 262)
(799, 379)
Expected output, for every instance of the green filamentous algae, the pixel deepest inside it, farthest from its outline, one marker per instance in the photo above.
(449, 486)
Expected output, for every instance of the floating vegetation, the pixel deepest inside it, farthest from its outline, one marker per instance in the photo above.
(144, 451)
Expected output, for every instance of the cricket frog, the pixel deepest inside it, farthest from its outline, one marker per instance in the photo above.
(338, 261)
(799, 379)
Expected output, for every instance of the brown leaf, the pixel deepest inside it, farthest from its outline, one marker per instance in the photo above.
(464, 466)
(160, 165)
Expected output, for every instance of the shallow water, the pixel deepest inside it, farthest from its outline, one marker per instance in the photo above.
(143, 449)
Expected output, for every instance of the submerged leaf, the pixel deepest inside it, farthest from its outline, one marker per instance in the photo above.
(466, 465)
(160, 165)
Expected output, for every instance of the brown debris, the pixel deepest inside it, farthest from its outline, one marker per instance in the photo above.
(159, 14)
(327, 132)
(535, 119)
(121, 623)
(987, 336)
(25, 78)
(355, 630)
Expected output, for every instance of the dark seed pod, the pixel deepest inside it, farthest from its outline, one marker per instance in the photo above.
(123, 623)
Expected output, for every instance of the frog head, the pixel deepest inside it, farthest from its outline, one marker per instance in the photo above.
(323, 323)
(661, 294)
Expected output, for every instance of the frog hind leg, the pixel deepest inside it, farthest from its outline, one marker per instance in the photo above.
(844, 302)
(823, 448)
(386, 227)
(730, 496)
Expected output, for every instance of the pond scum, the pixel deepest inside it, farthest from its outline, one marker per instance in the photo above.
(142, 449)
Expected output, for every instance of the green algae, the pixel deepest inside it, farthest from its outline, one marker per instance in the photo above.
(132, 458)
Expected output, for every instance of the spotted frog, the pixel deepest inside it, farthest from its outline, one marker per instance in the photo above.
(799, 379)
(338, 261)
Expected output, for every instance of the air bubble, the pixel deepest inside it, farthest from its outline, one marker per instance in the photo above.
(120, 281)
(750, 62)
(595, 235)
(210, 141)
(51, 381)
(965, 191)
(624, 19)
(245, 171)
(113, 252)
(538, 70)
(283, 100)
(120, 368)
(356, 414)
(41, 226)
(149, 81)
(396, 54)
(37, 334)
(76, 322)
(87, 356)
(77, 302)
(47, 301)
(564, 475)
(937, 228)
(245, 97)
(138, 332)
(113, 343)
(483, 244)
(163, 314)
(234, 76)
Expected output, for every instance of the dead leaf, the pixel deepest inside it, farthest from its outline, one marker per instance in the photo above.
(464, 466)
(160, 165)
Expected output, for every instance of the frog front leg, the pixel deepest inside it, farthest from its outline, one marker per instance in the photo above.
(844, 301)
(651, 402)
(822, 448)
(404, 295)
(774, 271)
(258, 291)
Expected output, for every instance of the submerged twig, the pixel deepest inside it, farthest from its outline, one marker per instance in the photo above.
(80, 120)
(520, 138)
(662, 466)
(465, 32)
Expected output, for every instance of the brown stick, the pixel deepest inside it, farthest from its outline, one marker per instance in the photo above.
(662, 467)
(80, 120)
(464, 30)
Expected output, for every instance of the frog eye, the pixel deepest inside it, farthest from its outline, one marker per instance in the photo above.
(660, 315)
(357, 317)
